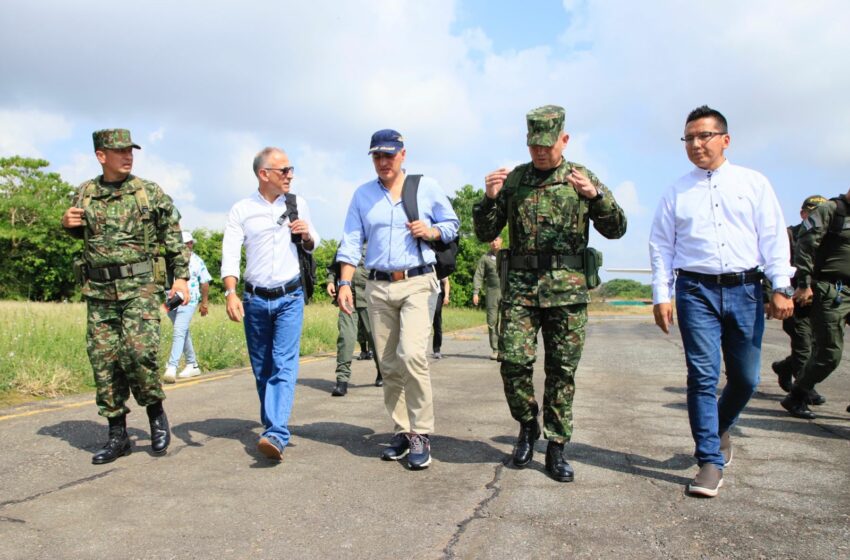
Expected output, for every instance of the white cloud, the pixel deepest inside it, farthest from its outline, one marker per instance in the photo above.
(156, 136)
(27, 132)
(81, 167)
(626, 195)
(174, 178)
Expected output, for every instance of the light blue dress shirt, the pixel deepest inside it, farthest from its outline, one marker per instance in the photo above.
(374, 217)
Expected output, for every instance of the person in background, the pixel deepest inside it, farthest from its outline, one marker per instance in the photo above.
(487, 276)
(437, 324)
(181, 316)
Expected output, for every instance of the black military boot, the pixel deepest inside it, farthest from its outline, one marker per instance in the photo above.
(118, 444)
(556, 465)
(796, 405)
(379, 380)
(340, 390)
(783, 375)
(160, 434)
(815, 398)
(529, 432)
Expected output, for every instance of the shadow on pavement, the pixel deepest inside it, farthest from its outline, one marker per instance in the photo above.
(323, 385)
(87, 435)
(364, 442)
(628, 463)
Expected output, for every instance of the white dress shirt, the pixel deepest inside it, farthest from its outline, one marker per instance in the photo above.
(716, 222)
(271, 257)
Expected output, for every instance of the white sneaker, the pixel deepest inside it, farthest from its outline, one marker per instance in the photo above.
(191, 370)
(170, 375)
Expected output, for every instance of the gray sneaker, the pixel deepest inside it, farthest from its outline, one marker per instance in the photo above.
(726, 449)
(420, 451)
(707, 482)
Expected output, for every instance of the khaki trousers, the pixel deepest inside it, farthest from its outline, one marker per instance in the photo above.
(401, 328)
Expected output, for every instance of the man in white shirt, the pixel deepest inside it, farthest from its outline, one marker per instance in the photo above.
(717, 228)
(272, 304)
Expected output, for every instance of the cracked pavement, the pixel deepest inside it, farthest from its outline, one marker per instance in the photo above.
(786, 494)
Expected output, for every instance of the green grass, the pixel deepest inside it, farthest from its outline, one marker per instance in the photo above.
(44, 353)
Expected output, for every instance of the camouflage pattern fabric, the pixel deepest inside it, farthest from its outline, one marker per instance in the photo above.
(113, 139)
(123, 314)
(116, 234)
(549, 217)
(563, 340)
(123, 343)
(545, 125)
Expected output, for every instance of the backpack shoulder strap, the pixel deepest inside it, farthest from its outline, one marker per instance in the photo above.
(291, 206)
(408, 196)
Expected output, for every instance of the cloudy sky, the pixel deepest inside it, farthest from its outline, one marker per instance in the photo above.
(204, 85)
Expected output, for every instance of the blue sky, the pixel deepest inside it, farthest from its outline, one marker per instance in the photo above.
(205, 85)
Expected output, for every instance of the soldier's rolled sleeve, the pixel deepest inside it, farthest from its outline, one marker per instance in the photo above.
(608, 217)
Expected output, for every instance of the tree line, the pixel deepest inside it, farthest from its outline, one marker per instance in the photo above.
(36, 255)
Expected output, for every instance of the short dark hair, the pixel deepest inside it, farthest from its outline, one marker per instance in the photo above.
(706, 111)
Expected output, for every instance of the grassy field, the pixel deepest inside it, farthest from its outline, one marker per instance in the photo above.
(44, 352)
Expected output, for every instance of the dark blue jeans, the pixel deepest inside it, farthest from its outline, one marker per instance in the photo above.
(273, 334)
(714, 318)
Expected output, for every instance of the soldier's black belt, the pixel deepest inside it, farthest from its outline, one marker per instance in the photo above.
(545, 261)
(729, 279)
(400, 274)
(273, 293)
(107, 273)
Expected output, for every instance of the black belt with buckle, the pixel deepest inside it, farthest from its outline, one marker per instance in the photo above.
(107, 273)
(273, 293)
(729, 279)
(400, 274)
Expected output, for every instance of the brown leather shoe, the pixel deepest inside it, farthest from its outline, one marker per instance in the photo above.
(726, 448)
(707, 482)
(269, 449)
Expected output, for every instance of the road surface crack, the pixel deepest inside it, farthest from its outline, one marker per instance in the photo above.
(59, 489)
(495, 488)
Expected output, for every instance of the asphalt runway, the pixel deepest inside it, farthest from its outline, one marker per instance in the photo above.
(785, 495)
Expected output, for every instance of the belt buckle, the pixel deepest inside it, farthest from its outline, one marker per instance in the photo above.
(397, 275)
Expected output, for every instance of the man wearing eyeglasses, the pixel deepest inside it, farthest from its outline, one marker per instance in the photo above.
(401, 282)
(272, 305)
(718, 230)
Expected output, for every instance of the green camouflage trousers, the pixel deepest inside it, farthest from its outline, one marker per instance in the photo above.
(345, 342)
(123, 343)
(563, 340)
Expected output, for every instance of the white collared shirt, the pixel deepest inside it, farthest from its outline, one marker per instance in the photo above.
(716, 222)
(271, 257)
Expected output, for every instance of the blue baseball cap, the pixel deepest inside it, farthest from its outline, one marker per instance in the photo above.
(386, 141)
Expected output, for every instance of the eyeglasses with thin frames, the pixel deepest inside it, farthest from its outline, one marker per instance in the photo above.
(702, 137)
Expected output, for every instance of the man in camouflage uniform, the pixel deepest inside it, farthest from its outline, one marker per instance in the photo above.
(548, 204)
(125, 220)
(798, 327)
(348, 325)
(822, 259)
(487, 274)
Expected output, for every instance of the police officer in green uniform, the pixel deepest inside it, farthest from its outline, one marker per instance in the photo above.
(798, 327)
(125, 220)
(487, 274)
(822, 259)
(348, 325)
(548, 205)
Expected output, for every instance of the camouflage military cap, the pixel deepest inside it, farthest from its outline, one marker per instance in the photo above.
(813, 202)
(545, 124)
(113, 139)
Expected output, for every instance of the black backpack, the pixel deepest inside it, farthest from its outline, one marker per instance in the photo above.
(305, 260)
(446, 253)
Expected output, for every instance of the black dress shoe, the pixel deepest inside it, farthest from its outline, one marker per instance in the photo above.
(784, 376)
(815, 398)
(117, 446)
(340, 390)
(160, 434)
(556, 465)
(529, 432)
(379, 381)
(797, 407)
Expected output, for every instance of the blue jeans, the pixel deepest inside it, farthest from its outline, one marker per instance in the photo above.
(273, 334)
(714, 318)
(181, 340)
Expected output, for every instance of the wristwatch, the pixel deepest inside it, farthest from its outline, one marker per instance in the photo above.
(599, 196)
(345, 283)
(787, 291)
(228, 292)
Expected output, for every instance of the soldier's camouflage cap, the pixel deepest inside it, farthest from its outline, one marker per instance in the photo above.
(813, 202)
(545, 124)
(113, 139)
